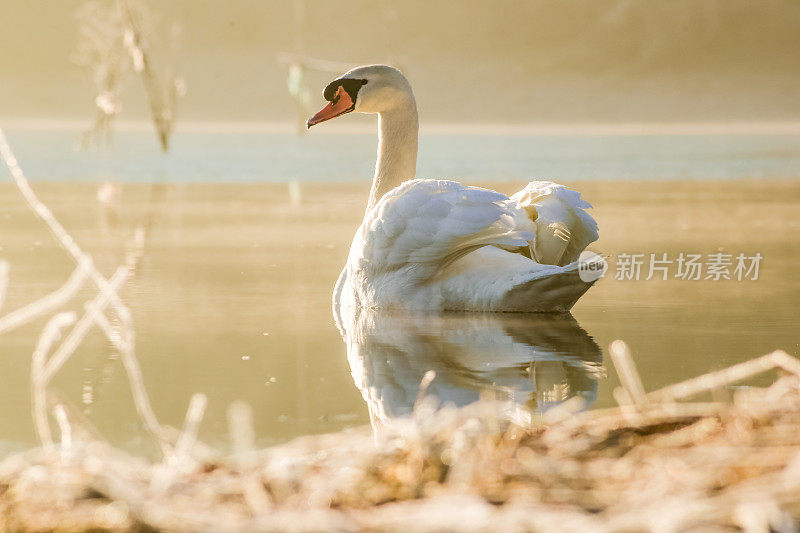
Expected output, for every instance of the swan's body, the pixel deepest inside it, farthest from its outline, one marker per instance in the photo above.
(441, 245)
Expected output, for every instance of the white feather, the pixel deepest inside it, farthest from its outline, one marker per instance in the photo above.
(563, 227)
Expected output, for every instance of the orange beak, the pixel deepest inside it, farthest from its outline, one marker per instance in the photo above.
(341, 104)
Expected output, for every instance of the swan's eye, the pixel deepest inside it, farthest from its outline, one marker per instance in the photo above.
(334, 90)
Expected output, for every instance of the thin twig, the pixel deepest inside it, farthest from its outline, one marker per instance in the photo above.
(50, 334)
(728, 376)
(627, 372)
(81, 328)
(46, 304)
(62, 236)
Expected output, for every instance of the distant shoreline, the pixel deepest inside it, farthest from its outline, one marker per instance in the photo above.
(547, 129)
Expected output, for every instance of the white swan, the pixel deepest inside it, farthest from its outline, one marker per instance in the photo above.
(440, 245)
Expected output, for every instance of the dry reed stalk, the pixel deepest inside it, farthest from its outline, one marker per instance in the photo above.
(628, 374)
(728, 376)
(46, 304)
(61, 235)
(118, 39)
(44, 368)
(191, 427)
(66, 429)
(49, 336)
(82, 326)
(242, 432)
(162, 98)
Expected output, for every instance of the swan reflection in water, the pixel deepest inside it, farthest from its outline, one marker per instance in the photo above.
(535, 361)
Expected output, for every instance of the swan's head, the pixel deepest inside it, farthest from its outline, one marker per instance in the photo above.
(369, 89)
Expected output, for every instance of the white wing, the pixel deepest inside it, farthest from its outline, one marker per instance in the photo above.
(563, 227)
(428, 224)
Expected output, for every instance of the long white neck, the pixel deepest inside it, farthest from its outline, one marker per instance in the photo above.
(398, 130)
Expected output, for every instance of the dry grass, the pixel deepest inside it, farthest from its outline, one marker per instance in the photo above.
(661, 466)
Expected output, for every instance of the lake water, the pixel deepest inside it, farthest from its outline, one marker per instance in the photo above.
(322, 156)
(232, 295)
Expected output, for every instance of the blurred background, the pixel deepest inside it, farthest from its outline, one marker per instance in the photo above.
(471, 61)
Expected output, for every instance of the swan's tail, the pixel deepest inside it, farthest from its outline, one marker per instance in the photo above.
(564, 228)
(552, 293)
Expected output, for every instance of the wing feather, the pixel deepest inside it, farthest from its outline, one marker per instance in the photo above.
(430, 223)
(563, 227)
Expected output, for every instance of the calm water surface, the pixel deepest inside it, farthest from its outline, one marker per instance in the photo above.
(321, 156)
(232, 299)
